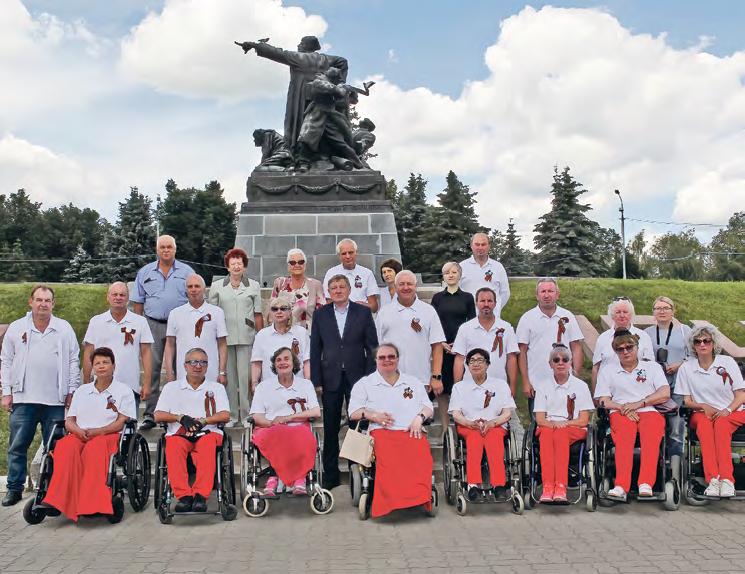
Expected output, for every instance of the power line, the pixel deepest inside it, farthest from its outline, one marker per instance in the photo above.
(678, 223)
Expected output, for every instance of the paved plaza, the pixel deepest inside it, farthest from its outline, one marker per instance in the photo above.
(629, 538)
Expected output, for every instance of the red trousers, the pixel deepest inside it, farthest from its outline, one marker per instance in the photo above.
(291, 450)
(203, 457)
(493, 444)
(716, 443)
(651, 429)
(555, 445)
(78, 485)
(403, 471)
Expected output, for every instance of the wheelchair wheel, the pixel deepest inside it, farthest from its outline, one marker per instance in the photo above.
(362, 510)
(605, 488)
(591, 501)
(244, 465)
(672, 495)
(138, 472)
(117, 504)
(355, 483)
(448, 468)
(518, 505)
(322, 502)
(160, 479)
(228, 511)
(530, 502)
(433, 503)
(255, 507)
(31, 515)
(687, 486)
(228, 474)
(163, 515)
(460, 504)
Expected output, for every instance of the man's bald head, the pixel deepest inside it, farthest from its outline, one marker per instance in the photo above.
(118, 297)
(195, 288)
(480, 247)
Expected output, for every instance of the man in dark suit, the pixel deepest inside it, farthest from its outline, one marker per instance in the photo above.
(341, 344)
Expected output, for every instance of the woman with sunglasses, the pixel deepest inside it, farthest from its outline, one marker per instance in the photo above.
(621, 312)
(396, 405)
(712, 385)
(481, 407)
(562, 412)
(630, 389)
(304, 293)
(279, 333)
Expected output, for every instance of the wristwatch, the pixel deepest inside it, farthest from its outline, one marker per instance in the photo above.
(423, 417)
(223, 373)
(437, 377)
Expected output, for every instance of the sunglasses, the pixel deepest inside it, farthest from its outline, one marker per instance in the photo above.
(561, 359)
(702, 341)
(194, 363)
(387, 357)
(620, 299)
(275, 309)
(626, 349)
(301, 262)
(477, 361)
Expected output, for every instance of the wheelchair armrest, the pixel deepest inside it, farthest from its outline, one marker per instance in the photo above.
(603, 413)
(685, 412)
(250, 420)
(363, 425)
(130, 424)
(59, 422)
(221, 426)
(590, 440)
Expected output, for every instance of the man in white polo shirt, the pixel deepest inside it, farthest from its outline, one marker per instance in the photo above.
(364, 286)
(197, 324)
(192, 405)
(492, 334)
(414, 327)
(125, 333)
(537, 331)
(480, 270)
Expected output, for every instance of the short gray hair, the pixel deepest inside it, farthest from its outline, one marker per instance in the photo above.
(617, 301)
(281, 300)
(402, 273)
(559, 350)
(195, 350)
(546, 280)
(295, 251)
(204, 285)
(345, 240)
(707, 329)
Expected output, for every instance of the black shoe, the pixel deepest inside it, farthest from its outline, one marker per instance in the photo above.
(12, 497)
(200, 504)
(328, 484)
(147, 424)
(185, 504)
(500, 494)
(474, 493)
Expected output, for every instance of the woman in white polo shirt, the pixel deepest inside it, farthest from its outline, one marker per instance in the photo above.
(481, 407)
(712, 385)
(281, 408)
(396, 406)
(562, 412)
(630, 389)
(81, 459)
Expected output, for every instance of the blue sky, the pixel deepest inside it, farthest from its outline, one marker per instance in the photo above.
(130, 110)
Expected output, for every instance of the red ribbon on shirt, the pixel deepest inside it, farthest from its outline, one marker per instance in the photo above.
(726, 377)
(200, 324)
(299, 401)
(111, 404)
(209, 403)
(562, 329)
(571, 399)
(488, 276)
(296, 347)
(408, 393)
(488, 397)
(128, 336)
(498, 342)
(416, 326)
(24, 339)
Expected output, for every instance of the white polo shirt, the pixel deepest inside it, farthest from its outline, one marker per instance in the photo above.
(94, 410)
(540, 332)
(472, 335)
(268, 340)
(124, 338)
(273, 399)
(555, 399)
(403, 401)
(360, 278)
(624, 387)
(714, 386)
(180, 398)
(484, 401)
(413, 330)
(491, 274)
(604, 352)
(185, 323)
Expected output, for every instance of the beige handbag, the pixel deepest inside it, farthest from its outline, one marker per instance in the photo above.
(358, 447)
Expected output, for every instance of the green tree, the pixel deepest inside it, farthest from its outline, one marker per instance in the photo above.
(729, 240)
(80, 269)
(496, 244)
(17, 270)
(566, 239)
(449, 226)
(516, 260)
(410, 210)
(676, 256)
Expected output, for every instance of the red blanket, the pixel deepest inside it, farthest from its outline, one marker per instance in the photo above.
(291, 450)
(403, 472)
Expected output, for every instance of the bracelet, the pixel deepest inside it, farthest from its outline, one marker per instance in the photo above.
(423, 417)
(729, 410)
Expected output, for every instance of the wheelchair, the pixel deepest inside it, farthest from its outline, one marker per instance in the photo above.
(224, 482)
(666, 488)
(129, 470)
(362, 482)
(581, 470)
(454, 464)
(254, 466)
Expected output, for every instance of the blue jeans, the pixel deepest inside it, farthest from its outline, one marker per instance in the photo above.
(23, 422)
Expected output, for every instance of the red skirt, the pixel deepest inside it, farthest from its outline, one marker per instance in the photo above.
(403, 472)
(291, 450)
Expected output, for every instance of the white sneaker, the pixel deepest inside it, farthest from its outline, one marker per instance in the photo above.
(713, 488)
(645, 490)
(617, 492)
(726, 489)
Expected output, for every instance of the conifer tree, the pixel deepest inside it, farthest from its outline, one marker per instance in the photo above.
(410, 210)
(80, 269)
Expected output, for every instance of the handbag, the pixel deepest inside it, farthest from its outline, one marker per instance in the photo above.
(358, 447)
(667, 408)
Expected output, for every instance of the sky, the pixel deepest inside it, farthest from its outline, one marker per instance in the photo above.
(643, 97)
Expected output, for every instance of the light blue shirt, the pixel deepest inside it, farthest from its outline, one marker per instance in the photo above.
(160, 294)
(341, 318)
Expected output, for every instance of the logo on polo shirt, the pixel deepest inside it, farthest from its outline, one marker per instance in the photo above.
(641, 375)
(297, 401)
(488, 275)
(726, 377)
(358, 282)
(408, 393)
(571, 399)
(416, 326)
(209, 403)
(295, 346)
(111, 404)
(200, 324)
(128, 336)
(488, 397)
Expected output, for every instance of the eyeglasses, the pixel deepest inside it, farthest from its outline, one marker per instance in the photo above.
(477, 361)
(387, 357)
(275, 309)
(301, 262)
(561, 359)
(626, 349)
(662, 309)
(702, 341)
(620, 299)
(194, 363)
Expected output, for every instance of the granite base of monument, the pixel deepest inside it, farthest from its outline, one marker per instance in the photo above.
(313, 212)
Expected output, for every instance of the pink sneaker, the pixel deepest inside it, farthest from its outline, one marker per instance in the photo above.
(548, 493)
(560, 494)
(299, 487)
(271, 486)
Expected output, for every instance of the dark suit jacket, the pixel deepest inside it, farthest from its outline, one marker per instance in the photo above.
(330, 353)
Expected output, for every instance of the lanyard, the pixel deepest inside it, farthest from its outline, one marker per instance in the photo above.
(669, 332)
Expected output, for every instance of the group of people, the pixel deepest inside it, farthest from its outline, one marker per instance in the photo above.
(383, 351)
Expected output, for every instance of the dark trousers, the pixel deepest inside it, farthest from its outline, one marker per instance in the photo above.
(156, 361)
(24, 419)
(332, 404)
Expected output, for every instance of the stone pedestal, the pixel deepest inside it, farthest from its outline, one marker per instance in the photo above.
(313, 212)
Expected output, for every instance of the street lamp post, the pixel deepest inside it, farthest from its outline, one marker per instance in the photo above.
(623, 234)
